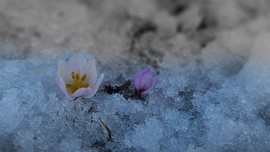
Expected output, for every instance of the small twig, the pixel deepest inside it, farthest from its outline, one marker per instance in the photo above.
(75, 99)
(108, 129)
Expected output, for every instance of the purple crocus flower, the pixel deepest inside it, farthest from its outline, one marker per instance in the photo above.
(144, 81)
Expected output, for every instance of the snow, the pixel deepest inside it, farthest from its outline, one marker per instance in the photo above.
(212, 61)
(146, 136)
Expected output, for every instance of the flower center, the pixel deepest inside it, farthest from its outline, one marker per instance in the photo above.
(78, 82)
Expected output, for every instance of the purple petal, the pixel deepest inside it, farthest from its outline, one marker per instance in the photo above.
(137, 79)
(82, 92)
(147, 76)
(138, 76)
(147, 85)
(150, 86)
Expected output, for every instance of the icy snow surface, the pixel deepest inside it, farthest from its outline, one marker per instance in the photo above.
(212, 58)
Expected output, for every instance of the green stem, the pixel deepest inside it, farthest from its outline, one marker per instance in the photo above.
(108, 129)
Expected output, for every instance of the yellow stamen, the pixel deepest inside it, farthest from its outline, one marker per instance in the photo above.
(86, 85)
(77, 76)
(83, 77)
(69, 86)
(78, 82)
(73, 75)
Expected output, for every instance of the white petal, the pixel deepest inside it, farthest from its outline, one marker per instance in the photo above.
(76, 62)
(61, 67)
(63, 88)
(82, 92)
(96, 86)
(91, 72)
(63, 71)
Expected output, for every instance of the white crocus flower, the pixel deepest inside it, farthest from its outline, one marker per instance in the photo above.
(78, 77)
